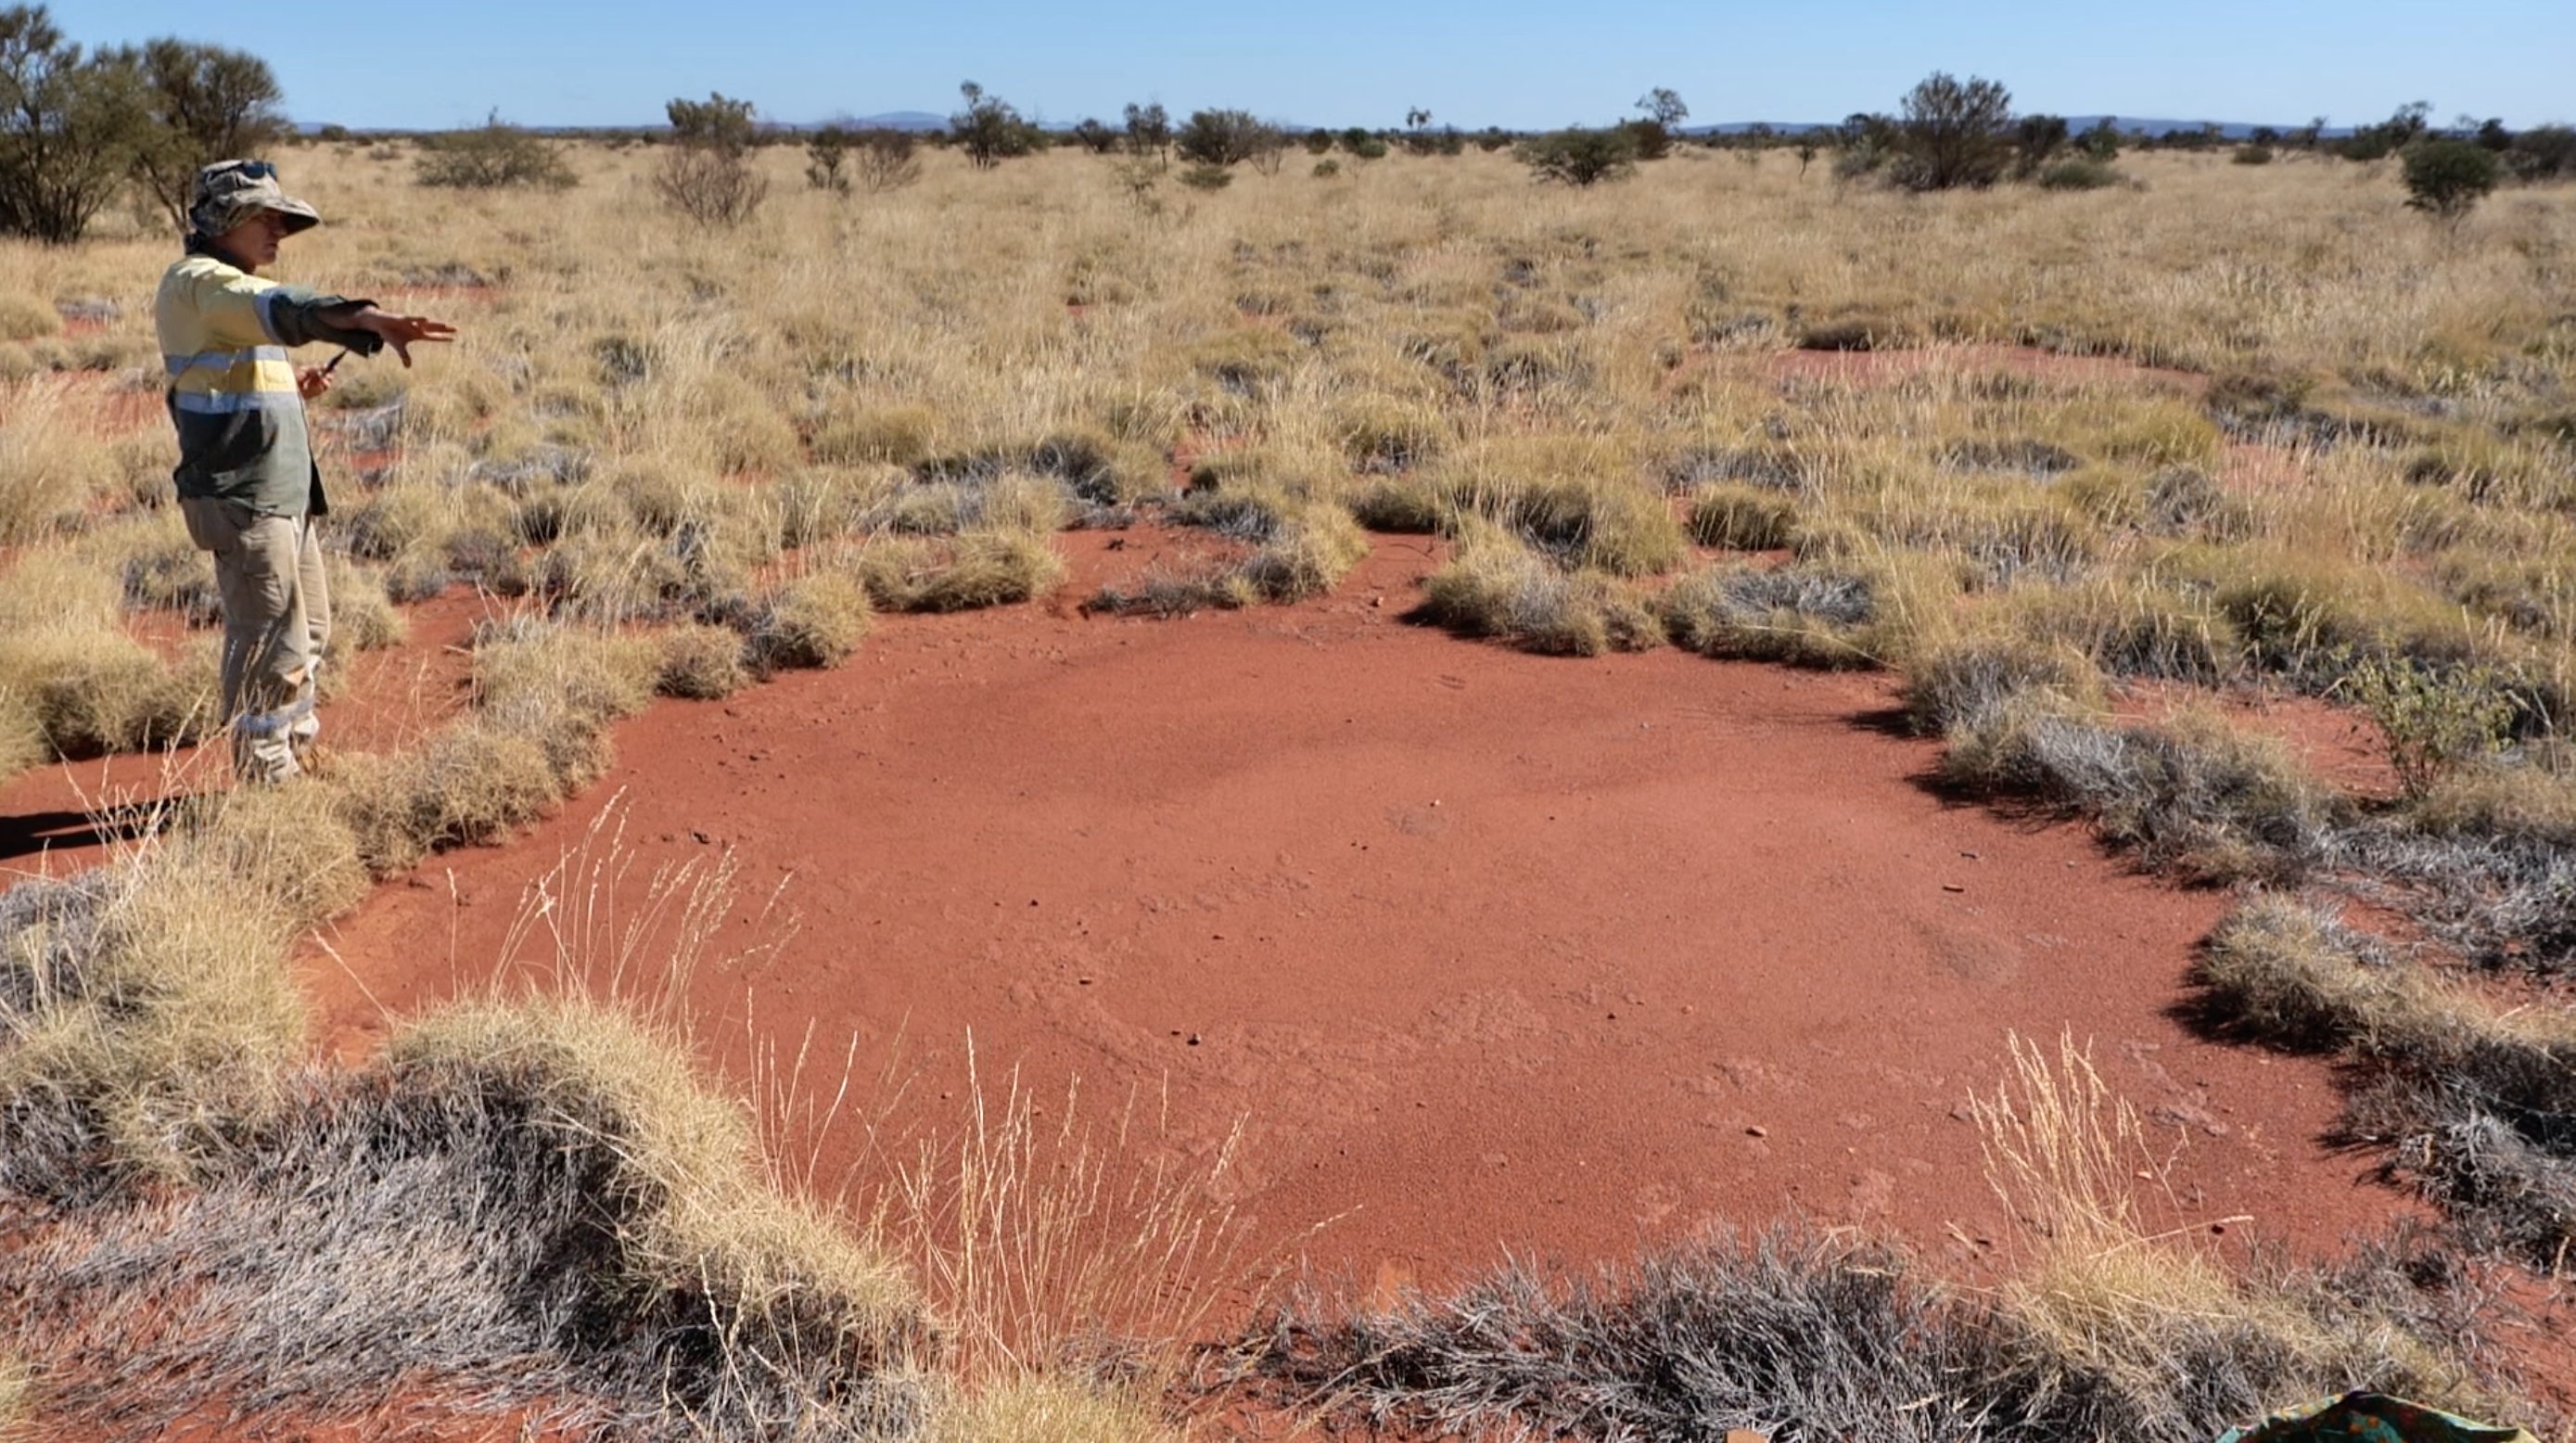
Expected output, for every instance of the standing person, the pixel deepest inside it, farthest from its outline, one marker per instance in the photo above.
(247, 481)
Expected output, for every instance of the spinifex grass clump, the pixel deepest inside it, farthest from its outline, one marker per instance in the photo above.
(1496, 585)
(2194, 795)
(73, 683)
(2112, 1333)
(529, 1208)
(2471, 1100)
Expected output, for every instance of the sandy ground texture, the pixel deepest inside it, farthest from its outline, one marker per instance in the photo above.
(1482, 949)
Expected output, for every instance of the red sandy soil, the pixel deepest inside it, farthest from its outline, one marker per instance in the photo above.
(1486, 950)
(50, 817)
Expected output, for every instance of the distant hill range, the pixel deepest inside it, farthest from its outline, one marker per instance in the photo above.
(2132, 125)
(924, 120)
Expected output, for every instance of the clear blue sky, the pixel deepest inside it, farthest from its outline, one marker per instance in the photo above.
(1517, 63)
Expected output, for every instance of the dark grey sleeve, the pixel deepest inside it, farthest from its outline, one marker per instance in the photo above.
(295, 314)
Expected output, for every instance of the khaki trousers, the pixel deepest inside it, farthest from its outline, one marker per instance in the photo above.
(277, 618)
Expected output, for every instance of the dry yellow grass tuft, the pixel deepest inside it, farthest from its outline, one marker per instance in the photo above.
(2142, 1311)
(152, 995)
(54, 463)
(707, 1209)
(1039, 1408)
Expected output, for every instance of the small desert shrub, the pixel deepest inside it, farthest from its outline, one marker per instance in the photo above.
(1743, 518)
(708, 175)
(496, 155)
(700, 662)
(2078, 174)
(2434, 724)
(2447, 178)
(884, 161)
(1579, 157)
(813, 621)
(1806, 615)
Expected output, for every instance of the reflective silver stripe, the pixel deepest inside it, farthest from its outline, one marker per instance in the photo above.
(264, 304)
(270, 723)
(226, 403)
(221, 360)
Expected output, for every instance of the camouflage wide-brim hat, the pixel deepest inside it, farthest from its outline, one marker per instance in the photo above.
(229, 192)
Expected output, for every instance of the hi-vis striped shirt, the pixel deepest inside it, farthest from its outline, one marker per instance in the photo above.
(224, 338)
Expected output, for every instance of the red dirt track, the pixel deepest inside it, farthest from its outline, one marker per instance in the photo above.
(1485, 949)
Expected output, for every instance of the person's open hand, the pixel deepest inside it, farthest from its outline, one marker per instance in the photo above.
(404, 332)
(312, 381)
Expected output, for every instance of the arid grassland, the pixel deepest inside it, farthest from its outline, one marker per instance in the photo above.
(2081, 471)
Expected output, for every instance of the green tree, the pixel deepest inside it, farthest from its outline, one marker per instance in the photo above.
(1149, 129)
(989, 130)
(206, 104)
(827, 159)
(717, 123)
(2036, 141)
(69, 128)
(2399, 130)
(2446, 178)
(1580, 157)
(2100, 141)
(708, 175)
(1097, 138)
(1226, 137)
(1953, 133)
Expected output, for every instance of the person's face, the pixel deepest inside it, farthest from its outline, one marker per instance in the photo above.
(253, 243)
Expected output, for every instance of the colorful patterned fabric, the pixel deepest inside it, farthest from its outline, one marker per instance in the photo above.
(2370, 1418)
